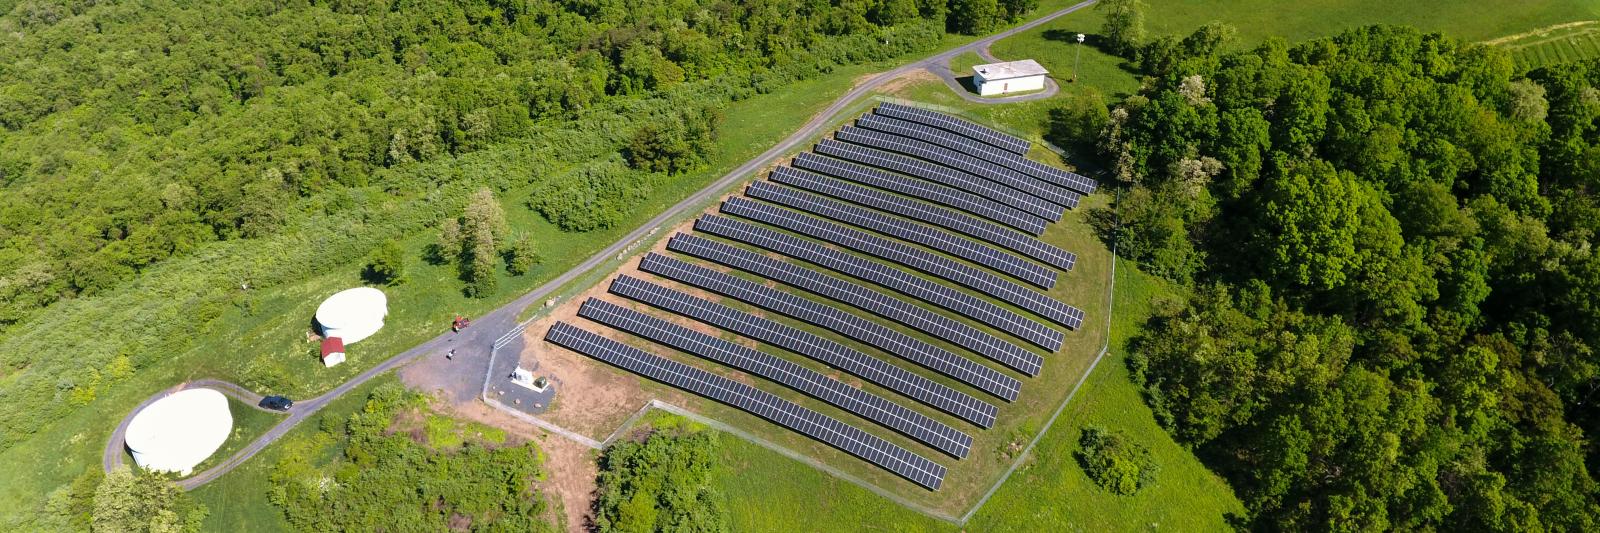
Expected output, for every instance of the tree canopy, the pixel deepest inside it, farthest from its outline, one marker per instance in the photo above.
(1391, 324)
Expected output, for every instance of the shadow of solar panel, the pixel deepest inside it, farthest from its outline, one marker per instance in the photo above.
(930, 214)
(946, 122)
(984, 282)
(833, 354)
(856, 401)
(1035, 189)
(906, 230)
(921, 318)
(925, 190)
(982, 151)
(877, 273)
(850, 439)
(942, 175)
(868, 332)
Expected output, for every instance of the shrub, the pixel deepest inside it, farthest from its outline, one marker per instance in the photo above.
(386, 265)
(661, 484)
(522, 256)
(1115, 463)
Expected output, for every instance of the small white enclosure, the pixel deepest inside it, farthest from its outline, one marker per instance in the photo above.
(353, 314)
(1009, 77)
(179, 431)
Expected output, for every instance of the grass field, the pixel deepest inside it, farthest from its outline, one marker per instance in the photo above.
(1563, 43)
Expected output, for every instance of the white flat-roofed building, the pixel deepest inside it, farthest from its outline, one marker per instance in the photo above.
(1009, 77)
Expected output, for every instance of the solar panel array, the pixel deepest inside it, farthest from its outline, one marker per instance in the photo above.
(852, 440)
(937, 265)
(918, 317)
(933, 238)
(859, 402)
(924, 190)
(949, 123)
(930, 192)
(945, 139)
(943, 175)
(828, 352)
(1038, 190)
(939, 216)
(868, 332)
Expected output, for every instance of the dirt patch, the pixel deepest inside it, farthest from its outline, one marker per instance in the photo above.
(1541, 32)
(593, 398)
(907, 79)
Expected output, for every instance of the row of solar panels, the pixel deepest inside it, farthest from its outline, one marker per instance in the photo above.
(851, 439)
(754, 362)
(986, 153)
(922, 212)
(910, 256)
(974, 177)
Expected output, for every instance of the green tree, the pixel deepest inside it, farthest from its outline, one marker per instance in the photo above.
(1115, 463)
(1124, 25)
(972, 17)
(660, 484)
(147, 501)
(386, 264)
(522, 256)
(1309, 224)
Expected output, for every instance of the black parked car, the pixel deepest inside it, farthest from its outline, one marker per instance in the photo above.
(276, 403)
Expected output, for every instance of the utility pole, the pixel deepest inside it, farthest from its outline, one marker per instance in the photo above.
(1076, 56)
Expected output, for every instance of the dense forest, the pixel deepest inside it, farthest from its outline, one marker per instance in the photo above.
(157, 156)
(1389, 238)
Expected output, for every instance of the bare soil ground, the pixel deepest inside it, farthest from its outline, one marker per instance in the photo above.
(594, 398)
(909, 78)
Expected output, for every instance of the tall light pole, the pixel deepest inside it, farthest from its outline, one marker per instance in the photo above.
(1076, 56)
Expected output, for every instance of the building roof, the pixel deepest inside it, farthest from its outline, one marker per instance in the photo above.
(180, 430)
(1010, 69)
(332, 345)
(353, 314)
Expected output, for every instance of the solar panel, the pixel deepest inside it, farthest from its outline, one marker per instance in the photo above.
(942, 175)
(856, 401)
(850, 439)
(1056, 195)
(905, 230)
(935, 215)
(937, 265)
(985, 152)
(918, 317)
(828, 352)
(949, 123)
(925, 190)
(867, 332)
(898, 280)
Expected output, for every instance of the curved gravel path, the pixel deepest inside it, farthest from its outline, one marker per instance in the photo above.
(474, 343)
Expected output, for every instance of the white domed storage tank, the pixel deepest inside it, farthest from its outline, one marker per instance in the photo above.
(179, 431)
(353, 314)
